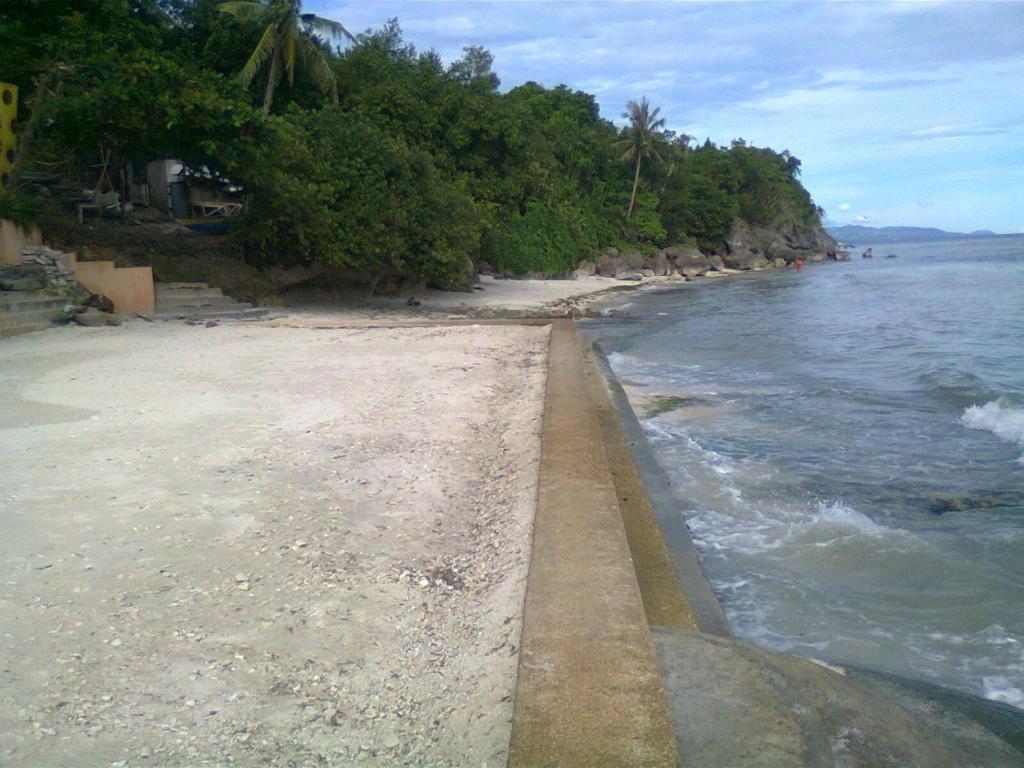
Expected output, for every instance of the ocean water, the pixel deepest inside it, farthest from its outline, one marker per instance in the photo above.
(847, 446)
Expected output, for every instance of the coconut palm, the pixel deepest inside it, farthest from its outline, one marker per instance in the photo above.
(285, 40)
(644, 127)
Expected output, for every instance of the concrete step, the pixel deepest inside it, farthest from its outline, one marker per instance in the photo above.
(191, 286)
(21, 301)
(242, 312)
(45, 315)
(200, 301)
(163, 292)
(214, 302)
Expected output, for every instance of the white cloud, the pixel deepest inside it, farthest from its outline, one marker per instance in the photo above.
(844, 206)
(442, 24)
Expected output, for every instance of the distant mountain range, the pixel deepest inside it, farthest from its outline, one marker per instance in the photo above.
(856, 234)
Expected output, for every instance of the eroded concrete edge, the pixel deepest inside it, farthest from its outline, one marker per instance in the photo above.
(706, 609)
(664, 600)
(589, 690)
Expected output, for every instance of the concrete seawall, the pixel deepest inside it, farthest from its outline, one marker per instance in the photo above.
(626, 657)
(588, 691)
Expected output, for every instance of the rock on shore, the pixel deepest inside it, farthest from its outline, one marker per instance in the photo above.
(747, 247)
(753, 247)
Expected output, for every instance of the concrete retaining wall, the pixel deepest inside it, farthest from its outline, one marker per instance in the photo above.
(130, 288)
(13, 238)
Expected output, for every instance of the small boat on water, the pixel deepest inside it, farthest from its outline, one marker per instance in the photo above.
(890, 256)
(868, 254)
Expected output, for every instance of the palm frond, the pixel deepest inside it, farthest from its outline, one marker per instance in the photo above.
(627, 146)
(273, 78)
(332, 29)
(263, 51)
(319, 69)
(244, 10)
(289, 54)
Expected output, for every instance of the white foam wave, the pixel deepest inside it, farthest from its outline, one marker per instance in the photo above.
(1000, 688)
(619, 361)
(841, 515)
(998, 418)
(658, 432)
(751, 530)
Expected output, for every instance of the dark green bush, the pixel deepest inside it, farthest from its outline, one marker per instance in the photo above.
(333, 188)
(19, 208)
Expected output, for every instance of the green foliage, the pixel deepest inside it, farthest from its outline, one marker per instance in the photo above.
(645, 224)
(19, 208)
(418, 171)
(711, 187)
(696, 203)
(341, 192)
(641, 140)
(544, 240)
(139, 102)
(286, 41)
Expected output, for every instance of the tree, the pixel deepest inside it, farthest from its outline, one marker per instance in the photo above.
(475, 66)
(644, 127)
(287, 37)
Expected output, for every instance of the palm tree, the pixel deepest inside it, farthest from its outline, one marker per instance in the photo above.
(644, 127)
(285, 40)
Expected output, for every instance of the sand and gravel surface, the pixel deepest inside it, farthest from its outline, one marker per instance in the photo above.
(489, 298)
(264, 545)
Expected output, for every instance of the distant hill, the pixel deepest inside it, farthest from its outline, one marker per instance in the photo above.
(854, 233)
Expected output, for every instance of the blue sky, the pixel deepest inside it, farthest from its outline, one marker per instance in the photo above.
(902, 113)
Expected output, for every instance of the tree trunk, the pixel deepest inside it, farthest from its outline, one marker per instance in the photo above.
(636, 183)
(35, 112)
(272, 77)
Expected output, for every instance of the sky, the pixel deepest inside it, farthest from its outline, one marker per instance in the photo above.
(902, 113)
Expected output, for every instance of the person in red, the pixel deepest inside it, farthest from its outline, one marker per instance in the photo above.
(799, 264)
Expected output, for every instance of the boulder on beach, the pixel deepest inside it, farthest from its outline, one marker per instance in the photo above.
(93, 318)
(585, 268)
(687, 257)
(612, 263)
(659, 264)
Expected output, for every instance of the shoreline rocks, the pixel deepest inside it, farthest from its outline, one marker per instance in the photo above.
(747, 248)
(752, 247)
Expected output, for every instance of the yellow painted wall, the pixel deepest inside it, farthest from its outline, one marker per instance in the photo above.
(130, 288)
(8, 114)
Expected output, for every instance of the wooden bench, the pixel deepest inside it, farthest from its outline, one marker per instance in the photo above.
(216, 208)
(102, 201)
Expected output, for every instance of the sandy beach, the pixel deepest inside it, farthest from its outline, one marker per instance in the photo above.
(492, 298)
(265, 545)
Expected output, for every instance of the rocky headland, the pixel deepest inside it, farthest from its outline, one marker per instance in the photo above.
(747, 248)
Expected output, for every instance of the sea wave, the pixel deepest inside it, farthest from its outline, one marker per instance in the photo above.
(997, 417)
(838, 514)
(954, 385)
(1002, 688)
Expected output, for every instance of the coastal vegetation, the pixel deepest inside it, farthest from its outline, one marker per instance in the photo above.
(369, 156)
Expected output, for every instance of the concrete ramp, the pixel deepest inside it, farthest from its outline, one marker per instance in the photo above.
(740, 706)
